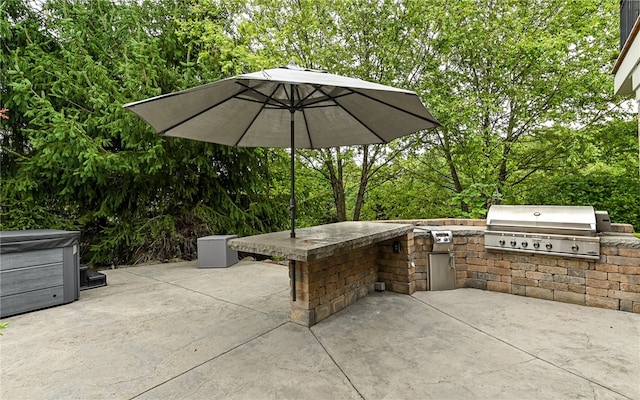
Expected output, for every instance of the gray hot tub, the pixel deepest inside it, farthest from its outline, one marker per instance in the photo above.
(38, 269)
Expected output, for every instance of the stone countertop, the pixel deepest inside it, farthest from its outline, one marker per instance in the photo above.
(620, 240)
(320, 241)
(458, 230)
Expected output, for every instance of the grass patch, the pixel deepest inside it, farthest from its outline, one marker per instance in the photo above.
(636, 235)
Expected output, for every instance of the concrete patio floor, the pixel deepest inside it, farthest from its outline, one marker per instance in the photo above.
(173, 331)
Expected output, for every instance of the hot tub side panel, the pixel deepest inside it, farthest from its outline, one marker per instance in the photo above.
(38, 269)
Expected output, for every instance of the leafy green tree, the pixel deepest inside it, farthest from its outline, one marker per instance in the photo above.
(363, 39)
(522, 90)
(88, 164)
(497, 74)
(600, 171)
(508, 70)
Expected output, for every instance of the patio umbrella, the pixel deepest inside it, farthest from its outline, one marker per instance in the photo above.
(288, 107)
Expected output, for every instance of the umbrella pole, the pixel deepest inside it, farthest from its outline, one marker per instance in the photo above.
(292, 200)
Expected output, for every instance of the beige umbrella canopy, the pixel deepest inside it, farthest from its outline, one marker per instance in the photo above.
(255, 110)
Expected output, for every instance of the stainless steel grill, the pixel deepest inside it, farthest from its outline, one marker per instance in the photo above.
(569, 231)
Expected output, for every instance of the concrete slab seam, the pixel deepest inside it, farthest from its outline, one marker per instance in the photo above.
(208, 295)
(522, 350)
(226, 301)
(336, 364)
(151, 277)
(211, 359)
(138, 275)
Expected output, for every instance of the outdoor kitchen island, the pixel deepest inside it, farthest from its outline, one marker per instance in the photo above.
(337, 264)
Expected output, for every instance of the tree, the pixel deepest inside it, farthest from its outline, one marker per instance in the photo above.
(496, 74)
(507, 71)
(599, 171)
(89, 164)
(369, 40)
(522, 90)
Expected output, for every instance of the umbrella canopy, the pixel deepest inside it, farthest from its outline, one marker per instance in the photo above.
(254, 110)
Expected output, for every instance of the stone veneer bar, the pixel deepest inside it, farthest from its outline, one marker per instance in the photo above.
(337, 264)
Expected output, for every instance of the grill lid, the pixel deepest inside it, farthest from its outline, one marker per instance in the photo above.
(566, 220)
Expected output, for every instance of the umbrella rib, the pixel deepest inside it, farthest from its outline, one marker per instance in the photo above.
(199, 113)
(433, 121)
(312, 104)
(268, 97)
(273, 106)
(354, 117)
(300, 104)
(281, 104)
(264, 104)
(304, 116)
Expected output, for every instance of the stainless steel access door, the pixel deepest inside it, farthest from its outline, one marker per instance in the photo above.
(442, 272)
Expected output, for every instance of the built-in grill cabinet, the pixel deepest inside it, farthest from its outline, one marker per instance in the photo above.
(568, 231)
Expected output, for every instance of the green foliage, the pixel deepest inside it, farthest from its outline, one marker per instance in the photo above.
(508, 71)
(497, 75)
(80, 161)
(599, 170)
(379, 41)
(602, 187)
(478, 197)
(314, 200)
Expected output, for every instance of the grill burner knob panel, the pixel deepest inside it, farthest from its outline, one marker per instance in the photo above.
(501, 242)
(525, 244)
(514, 243)
(575, 247)
(536, 245)
(549, 246)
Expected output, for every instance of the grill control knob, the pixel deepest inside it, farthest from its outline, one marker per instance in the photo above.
(514, 243)
(536, 245)
(548, 246)
(525, 244)
(501, 242)
(575, 247)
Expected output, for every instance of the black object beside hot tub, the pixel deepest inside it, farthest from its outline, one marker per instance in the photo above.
(38, 269)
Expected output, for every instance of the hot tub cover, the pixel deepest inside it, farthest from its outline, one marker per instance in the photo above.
(36, 239)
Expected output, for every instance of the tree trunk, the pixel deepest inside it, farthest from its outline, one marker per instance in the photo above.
(446, 148)
(503, 173)
(337, 184)
(364, 181)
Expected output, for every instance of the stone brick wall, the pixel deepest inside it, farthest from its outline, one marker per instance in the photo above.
(396, 270)
(328, 285)
(611, 282)
(422, 246)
